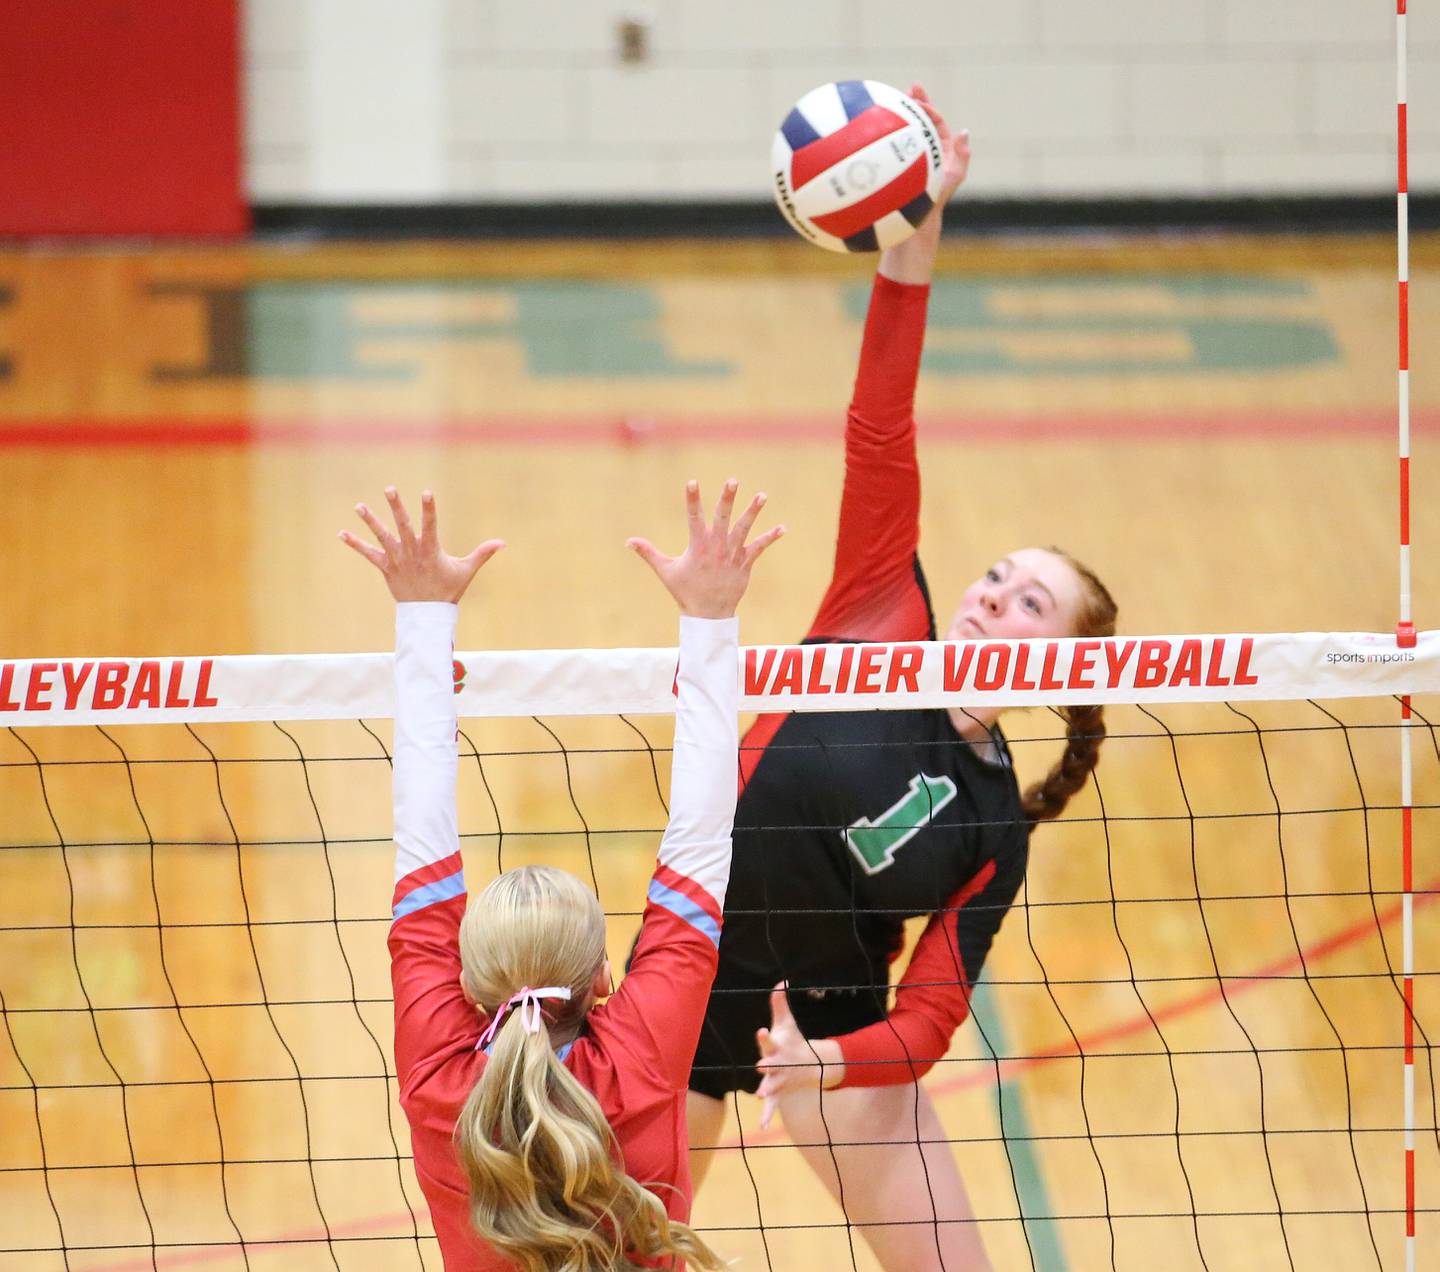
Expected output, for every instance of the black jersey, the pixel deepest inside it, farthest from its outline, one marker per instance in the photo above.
(851, 822)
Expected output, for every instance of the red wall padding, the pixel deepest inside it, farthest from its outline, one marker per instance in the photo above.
(120, 117)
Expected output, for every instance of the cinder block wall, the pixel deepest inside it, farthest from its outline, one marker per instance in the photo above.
(372, 101)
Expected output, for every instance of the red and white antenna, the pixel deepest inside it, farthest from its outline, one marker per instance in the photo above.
(1405, 627)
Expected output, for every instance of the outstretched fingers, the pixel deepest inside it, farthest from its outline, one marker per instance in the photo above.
(752, 553)
(404, 530)
(429, 523)
(767, 1089)
(747, 554)
(694, 512)
(478, 556)
(710, 576)
(650, 554)
(367, 550)
(917, 91)
(954, 145)
(386, 540)
(772, 1065)
(741, 532)
(725, 508)
(417, 569)
(960, 147)
(780, 1015)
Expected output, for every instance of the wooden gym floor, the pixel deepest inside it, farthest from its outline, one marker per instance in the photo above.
(1209, 423)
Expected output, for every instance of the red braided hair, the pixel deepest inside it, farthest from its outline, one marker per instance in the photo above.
(1084, 725)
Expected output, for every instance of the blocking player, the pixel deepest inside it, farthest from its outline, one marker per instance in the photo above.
(548, 1120)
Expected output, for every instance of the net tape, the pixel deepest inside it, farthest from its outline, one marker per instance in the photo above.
(821, 677)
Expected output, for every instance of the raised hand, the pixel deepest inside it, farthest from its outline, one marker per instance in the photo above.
(789, 1061)
(708, 579)
(954, 149)
(913, 260)
(415, 567)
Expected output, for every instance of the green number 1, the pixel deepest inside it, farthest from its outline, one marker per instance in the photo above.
(875, 842)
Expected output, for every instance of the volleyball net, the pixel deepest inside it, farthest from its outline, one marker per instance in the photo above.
(1191, 1029)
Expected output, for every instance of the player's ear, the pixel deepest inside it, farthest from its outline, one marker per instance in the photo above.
(467, 989)
(601, 984)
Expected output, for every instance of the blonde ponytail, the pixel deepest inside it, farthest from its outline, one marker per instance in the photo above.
(547, 1189)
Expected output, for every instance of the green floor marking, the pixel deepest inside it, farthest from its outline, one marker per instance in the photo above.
(1213, 315)
(1043, 1232)
(567, 330)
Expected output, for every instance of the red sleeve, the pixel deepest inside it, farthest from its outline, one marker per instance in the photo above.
(932, 999)
(874, 592)
(432, 1018)
(660, 1004)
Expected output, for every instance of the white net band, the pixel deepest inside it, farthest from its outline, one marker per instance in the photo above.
(1128, 669)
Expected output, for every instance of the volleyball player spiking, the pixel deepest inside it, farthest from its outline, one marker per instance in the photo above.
(849, 823)
(549, 1125)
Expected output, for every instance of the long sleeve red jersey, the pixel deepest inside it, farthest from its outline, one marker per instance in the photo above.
(635, 1049)
(851, 822)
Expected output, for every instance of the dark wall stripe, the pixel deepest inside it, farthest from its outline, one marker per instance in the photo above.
(1340, 213)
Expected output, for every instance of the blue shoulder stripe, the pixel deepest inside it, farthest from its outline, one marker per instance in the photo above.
(562, 1053)
(429, 893)
(683, 907)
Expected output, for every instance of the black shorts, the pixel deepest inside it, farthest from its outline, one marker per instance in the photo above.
(725, 1059)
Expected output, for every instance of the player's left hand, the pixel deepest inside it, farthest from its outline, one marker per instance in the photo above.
(954, 148)
(789, 1061)
(415, 567)
(912, 261)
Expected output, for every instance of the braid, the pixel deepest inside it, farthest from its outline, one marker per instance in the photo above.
(1084, 732)
(1085, 725)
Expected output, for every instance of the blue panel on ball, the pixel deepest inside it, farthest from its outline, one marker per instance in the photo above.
(798, 130)
(865, 241)
(916, 210)
(855, 97)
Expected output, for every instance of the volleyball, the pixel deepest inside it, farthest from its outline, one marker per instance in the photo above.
(857, 165)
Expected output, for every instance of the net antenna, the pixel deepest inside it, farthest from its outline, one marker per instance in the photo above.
(1405, 628)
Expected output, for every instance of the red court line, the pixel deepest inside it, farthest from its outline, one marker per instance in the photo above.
(620, 429)
(1234, 987)
(219, 1253)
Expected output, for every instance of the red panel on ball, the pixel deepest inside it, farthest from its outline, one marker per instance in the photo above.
(859, 216)
(870, 125)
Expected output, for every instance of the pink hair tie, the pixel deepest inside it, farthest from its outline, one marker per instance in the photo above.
(525, 997)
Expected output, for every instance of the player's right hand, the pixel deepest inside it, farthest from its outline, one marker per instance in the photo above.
(708, 579)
